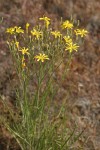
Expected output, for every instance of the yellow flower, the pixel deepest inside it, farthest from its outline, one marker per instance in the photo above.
(24, 51)
(71, 47)
(10, 30)
(17, 44)
(18, 30)
(67, 39)
(36, 33)
(14, 30)
(67, 24)
(81, 32)
(27, 26)
(41, 57)
(56, 34)
(46, 20)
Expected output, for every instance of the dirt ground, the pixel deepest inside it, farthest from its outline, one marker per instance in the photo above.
(83, 83)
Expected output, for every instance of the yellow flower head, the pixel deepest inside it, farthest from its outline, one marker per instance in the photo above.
(10, 30)
(18, 30)
(24, 51)
(67, 24)
(27, 26)
(67, 39)
(41, 57)
(46, 20)
(81, 32)
(71, 47)
(36, 33)
(56, 34)
(17, 44)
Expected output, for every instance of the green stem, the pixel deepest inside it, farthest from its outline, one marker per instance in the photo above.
(67, 67)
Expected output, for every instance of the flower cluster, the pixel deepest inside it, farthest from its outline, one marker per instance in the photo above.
(67, 39)
(14, 30)
(38, 52)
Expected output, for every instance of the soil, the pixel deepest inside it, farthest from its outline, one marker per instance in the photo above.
(83, 82)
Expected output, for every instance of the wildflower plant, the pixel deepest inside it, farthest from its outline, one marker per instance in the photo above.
(37, 54)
